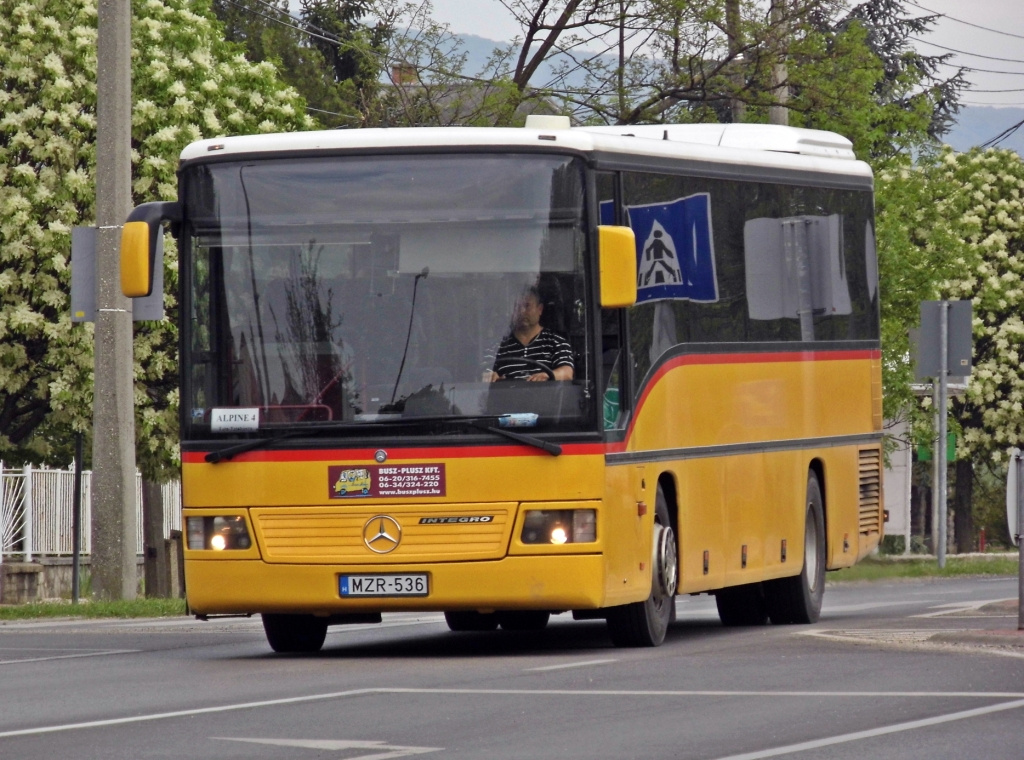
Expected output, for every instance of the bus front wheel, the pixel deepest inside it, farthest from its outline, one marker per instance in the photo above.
(294, 633)
(644, 624)
(798, 599)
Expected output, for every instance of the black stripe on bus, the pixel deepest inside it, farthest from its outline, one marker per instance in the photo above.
(734, 449)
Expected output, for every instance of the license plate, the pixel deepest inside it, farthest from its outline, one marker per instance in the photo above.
(384, 584)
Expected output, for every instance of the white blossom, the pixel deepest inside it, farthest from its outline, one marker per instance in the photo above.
(47, 165)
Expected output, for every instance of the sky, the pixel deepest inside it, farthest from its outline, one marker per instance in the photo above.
(988, 33)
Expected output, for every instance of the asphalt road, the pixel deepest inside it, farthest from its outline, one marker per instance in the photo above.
(888, 673)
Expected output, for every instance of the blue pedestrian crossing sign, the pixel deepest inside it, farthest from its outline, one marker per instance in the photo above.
(675, 250)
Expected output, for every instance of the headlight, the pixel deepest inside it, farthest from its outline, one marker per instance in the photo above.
(218, 533)
(560, 526)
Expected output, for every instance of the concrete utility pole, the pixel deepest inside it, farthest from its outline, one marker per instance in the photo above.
(114, 570)
(733, 27)
(779, 112)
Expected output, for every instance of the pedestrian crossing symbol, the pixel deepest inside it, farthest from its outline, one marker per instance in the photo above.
(675, 250)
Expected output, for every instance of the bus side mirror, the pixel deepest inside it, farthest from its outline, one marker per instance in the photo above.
(617, 254)
(139, 238)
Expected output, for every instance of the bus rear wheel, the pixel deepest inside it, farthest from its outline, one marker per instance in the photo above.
(798, 599)
(294, 633)
(644, 624)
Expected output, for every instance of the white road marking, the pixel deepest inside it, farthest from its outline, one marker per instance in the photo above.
(340, 745)
(863, 607)
(920, 638)
(213, 625)
(912, 725)
(955, 607)
(103, 653)
(1003, 652)
(878, 635)
(183, 713)
(704, 693)
(566, 665)
(510, 692)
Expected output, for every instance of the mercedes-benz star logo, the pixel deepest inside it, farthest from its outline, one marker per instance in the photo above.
(382, 534)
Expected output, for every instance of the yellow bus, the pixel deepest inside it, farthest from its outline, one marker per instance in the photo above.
(351, 302)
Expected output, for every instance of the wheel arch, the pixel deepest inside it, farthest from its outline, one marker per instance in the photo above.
(817, 467)
(667, 482)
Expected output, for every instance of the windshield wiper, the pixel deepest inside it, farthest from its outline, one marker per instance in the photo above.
(258, 443)
(502, 428)
(552, 448)
(505, 421)
(253, 443)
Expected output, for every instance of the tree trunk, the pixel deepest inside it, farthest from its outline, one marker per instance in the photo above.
(963, 499)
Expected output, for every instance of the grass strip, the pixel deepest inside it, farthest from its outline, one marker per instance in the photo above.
(888, 568)
(135, 608)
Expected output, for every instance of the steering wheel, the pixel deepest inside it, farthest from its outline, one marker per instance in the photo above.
(505, 360)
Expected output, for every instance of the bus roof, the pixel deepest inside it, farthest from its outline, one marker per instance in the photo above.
(753, 145)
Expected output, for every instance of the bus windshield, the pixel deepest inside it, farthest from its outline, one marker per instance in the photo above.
(363, 290)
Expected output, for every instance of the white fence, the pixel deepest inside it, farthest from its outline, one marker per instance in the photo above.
(37, 509)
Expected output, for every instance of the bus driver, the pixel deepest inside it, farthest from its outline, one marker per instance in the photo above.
(531, 342)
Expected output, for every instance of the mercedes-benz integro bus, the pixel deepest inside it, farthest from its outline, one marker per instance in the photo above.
(345, 453)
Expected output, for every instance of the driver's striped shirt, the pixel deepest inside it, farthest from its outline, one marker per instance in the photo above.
(548, 348)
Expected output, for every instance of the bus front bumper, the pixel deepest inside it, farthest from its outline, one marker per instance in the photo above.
(564, 582)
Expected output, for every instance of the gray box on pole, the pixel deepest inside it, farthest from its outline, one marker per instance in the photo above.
(83, 274)
(83, 280)
(959, 343)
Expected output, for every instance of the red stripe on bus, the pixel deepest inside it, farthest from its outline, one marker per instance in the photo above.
(572, 449)
(748, 358)
(397, 454)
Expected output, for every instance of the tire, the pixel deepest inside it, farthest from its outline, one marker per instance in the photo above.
(644, 624)
(470, 620)
(523, 620)
(294, 633)
(742, 605)
(798, 599)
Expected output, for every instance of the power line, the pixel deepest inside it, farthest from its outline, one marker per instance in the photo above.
(1002, 136)
(306, 26)
(978, 71)
(989, 105)
(966, 23)
(308, 29)
(964, 52)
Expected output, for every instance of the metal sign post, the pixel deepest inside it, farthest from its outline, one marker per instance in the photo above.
(940, 449)
(945, 345)
(1015, 519)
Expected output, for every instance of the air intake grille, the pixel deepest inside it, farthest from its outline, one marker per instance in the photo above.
(870, 491)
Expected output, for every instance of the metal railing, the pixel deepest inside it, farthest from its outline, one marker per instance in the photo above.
(37, 511)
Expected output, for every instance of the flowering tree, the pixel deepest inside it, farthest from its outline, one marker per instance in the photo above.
(188, 83)
(951, 228)
(990, 273)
